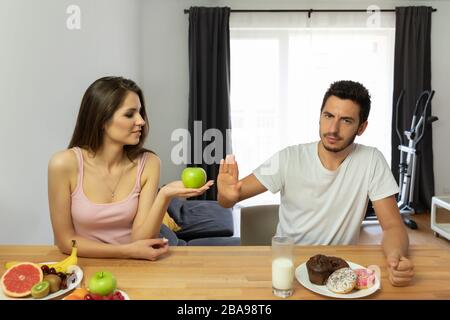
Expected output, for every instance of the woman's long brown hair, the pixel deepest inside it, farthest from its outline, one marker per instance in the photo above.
(100, 101)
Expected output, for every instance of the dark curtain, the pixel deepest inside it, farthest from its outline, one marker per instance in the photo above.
(412, 72)
(209, 88)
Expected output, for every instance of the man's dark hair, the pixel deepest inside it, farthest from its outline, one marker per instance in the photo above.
(355, 91)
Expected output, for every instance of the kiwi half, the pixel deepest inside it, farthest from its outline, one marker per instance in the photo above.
(40, 289)
(54, 280)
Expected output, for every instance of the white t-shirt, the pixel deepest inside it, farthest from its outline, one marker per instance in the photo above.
(323, 207)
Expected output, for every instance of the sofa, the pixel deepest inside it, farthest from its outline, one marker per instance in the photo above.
(203, 223)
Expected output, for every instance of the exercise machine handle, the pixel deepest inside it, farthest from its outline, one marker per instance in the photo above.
(424, 117)
(397, 124)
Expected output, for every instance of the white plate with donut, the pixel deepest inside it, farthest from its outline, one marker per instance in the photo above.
(301, 273)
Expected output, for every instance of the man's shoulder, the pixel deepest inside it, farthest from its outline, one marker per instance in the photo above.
(367, 151)
(370, 156)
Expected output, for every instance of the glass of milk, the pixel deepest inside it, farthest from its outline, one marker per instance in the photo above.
(282, 266)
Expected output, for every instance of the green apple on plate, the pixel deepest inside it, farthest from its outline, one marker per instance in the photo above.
(102, 283)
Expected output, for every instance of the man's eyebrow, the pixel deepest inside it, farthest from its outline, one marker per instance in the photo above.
(344, 118)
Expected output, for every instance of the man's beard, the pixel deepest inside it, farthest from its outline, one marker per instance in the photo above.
(337, 149)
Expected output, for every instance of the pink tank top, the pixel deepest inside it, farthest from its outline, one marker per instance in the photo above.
(109, 222)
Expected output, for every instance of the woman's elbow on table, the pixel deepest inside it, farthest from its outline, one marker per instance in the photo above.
(64, 245)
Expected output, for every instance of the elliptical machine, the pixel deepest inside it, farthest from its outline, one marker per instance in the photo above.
(409, 153)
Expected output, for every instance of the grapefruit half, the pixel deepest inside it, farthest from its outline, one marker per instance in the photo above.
(18, 280)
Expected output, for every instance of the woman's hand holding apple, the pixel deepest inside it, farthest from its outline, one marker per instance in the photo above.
(177, 189)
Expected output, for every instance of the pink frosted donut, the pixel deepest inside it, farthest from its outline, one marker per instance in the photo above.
(366, 278)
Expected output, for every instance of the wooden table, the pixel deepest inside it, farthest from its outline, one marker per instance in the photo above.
(242, 272)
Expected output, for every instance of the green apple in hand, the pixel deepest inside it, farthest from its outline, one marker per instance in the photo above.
(193, 177)
(102, 283)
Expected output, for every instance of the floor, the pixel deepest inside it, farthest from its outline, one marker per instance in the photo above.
(371, 232)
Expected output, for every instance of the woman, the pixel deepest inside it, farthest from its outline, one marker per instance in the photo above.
(103, 190)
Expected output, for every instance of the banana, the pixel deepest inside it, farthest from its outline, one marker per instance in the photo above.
(10, 264)
(60, 266)
(69, 261)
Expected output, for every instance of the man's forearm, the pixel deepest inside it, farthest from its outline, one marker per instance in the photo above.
(395, 241)
(249, 187)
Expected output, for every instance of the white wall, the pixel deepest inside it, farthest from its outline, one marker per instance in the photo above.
(44, 70)
(166, 81)
(165, 48)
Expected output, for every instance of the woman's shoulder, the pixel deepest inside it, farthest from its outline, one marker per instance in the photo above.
(152, 166)
(151, 161)
(63, 161)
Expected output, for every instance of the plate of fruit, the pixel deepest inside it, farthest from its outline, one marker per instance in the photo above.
(102, 286)
(42, 281)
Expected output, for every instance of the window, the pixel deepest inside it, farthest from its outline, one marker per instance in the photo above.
(281, 67)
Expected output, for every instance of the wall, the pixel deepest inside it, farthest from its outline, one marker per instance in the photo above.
(45, 69)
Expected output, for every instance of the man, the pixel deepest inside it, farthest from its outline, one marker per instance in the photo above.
(325, 185)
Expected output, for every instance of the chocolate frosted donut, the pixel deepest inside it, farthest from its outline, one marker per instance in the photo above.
(319, 269)
(337, 263)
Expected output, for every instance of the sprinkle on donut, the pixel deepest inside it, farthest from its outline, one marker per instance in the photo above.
(342, 280)
(366, 278)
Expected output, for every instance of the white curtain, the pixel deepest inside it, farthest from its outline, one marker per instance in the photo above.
(281, 66)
